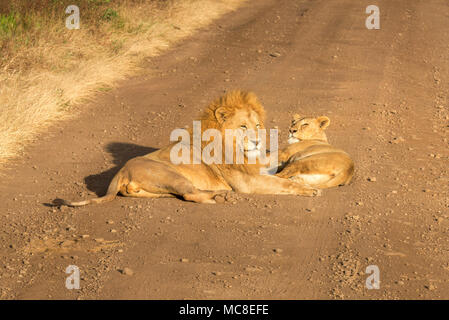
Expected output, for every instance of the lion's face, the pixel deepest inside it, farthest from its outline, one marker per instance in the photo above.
(307, 128)
(237, 112)
(244, 122)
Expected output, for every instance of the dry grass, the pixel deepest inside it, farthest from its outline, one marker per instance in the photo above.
(45, 69)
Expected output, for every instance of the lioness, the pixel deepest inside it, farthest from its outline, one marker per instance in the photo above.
(154, 175)
(310, 159)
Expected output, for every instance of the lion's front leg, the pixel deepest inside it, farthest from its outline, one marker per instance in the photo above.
(266, 184)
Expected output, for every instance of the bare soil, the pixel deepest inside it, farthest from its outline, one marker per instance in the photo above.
(386, 92)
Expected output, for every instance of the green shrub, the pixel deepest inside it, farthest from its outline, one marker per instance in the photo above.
(8, 23)
(110, 14)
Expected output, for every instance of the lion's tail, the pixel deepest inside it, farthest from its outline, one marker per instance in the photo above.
(110, 195)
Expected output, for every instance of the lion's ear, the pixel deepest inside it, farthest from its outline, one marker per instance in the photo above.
(323, 121)
(296, 117)
(221, 114)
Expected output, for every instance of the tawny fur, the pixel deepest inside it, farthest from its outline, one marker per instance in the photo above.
(310, 159)
(154, 175)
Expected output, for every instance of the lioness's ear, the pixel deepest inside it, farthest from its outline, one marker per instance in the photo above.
(221, 114)
(296, 117)
(323, 121)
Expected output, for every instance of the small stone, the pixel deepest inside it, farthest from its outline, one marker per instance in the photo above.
(397, 140)
(275, 54)
(430, 287)
(217, 273)
(371, 179)
(85, 236)
(277, 250)
(184, 260)
(127, 271)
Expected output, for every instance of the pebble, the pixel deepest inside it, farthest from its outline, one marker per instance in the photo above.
(397, 140)
(430, 287)
(127, 271)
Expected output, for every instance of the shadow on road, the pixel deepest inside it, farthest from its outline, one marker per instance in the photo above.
(122, 152)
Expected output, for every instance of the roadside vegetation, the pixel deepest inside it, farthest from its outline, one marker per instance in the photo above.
(47, 69)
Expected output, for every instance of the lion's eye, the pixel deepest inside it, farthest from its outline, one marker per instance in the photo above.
(243, 127)
(304, 125)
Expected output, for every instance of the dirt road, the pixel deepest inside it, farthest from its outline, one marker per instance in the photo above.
(386, 92)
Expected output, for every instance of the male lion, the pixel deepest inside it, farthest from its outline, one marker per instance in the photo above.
(154, 175)
(310, 159)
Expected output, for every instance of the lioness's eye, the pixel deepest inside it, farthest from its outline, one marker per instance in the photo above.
(243, 127)
(304, 125)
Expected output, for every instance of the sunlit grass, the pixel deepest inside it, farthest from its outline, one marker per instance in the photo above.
(45, 69)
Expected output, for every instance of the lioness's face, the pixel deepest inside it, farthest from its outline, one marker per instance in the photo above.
(249, 122)
(307, 128)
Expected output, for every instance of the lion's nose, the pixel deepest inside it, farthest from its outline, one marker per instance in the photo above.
(255, 143)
